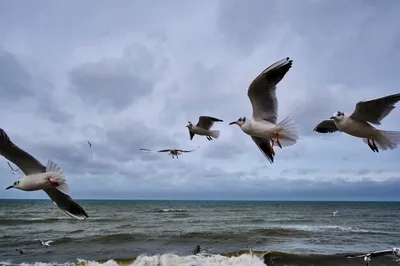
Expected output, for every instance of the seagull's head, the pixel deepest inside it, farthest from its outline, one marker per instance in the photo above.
(17, 184)
(189, 125)
(337, 116)
(240, 122)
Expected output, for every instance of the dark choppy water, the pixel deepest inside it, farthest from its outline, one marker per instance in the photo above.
(166, 232)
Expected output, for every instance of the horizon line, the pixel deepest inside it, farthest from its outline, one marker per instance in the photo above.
(251, 200)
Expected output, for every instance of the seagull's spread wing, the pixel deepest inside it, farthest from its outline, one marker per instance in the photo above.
(374, 111)
(191, 134)
(166, 150)
(147, 150)
(188, 150)
(50, 241)
(10, 166)
(66, 203)
(355, 256)
(265, 147)
(381, 253)
(326, 126)
(262, 91)
(26, 162)
(207, 121)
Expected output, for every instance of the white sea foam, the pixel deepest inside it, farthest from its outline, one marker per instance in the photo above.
(166, 260)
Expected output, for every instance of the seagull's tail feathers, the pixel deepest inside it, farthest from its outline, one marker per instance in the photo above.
(214, 133)
(288, 132)
(58, 178)
(387, 140)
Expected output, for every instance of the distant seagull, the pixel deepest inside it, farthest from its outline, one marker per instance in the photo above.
(20, 251)
(367, 257)
(45, 243)
(356, 124)
(90, 144)
(14, 171)
(263, 127)
(203, 127)
(334, 213)
(37, 176)
(173, 152)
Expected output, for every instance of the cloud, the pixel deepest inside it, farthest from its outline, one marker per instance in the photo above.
(130, 76)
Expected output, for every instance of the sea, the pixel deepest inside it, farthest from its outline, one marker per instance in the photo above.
(150, 233)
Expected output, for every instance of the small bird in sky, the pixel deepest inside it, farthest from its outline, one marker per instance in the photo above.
(90, 144)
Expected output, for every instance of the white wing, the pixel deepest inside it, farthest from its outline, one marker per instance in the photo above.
(262, 91)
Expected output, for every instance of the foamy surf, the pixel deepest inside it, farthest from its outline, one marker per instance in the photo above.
(163, 260)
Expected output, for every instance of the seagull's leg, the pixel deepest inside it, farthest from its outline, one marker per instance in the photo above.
(53, 184)
(277, 140)
(272, 148)
(374, 145)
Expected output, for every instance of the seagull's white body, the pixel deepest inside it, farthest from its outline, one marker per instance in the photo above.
(356, 128)
(201, 131)
(39, 181)
(263, 129)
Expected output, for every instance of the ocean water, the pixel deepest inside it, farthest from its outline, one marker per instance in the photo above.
(229, 233)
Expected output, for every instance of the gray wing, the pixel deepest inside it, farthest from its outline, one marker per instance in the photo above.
(164, 150)
(381, 253)
(355, 256)
(188, 150)
(207, 121)
(374, 111)
(66, 204)
(264, 146)
(326, 126)
(262, 91)
(26, 162)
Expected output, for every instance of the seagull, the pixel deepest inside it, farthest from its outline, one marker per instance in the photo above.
(334, 213)
(45, 243)
(37, 176)
(90, 144)
(173, 152)
(367, 257)
(357, 124)
(203, 127)
(20, 251)
(14, 171)
(263, 128)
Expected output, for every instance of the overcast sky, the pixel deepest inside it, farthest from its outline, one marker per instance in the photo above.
(130, 74)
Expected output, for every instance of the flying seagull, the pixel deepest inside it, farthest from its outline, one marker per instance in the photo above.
(173, 152)
(367, 257)
(14, 171)
(203, 127)
(37, 176)
(45, 243)
(334, 213)
(263, 128)
(357, 124)
(90, 144)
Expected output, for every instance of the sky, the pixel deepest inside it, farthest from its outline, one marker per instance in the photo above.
(130, 74)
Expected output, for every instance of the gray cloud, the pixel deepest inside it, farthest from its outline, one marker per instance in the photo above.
(117, 82)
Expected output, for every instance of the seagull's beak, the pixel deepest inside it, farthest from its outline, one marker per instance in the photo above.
(332, 117)
(234, 122)
(9, 187)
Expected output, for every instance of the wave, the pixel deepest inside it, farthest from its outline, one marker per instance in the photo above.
(238, 258)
